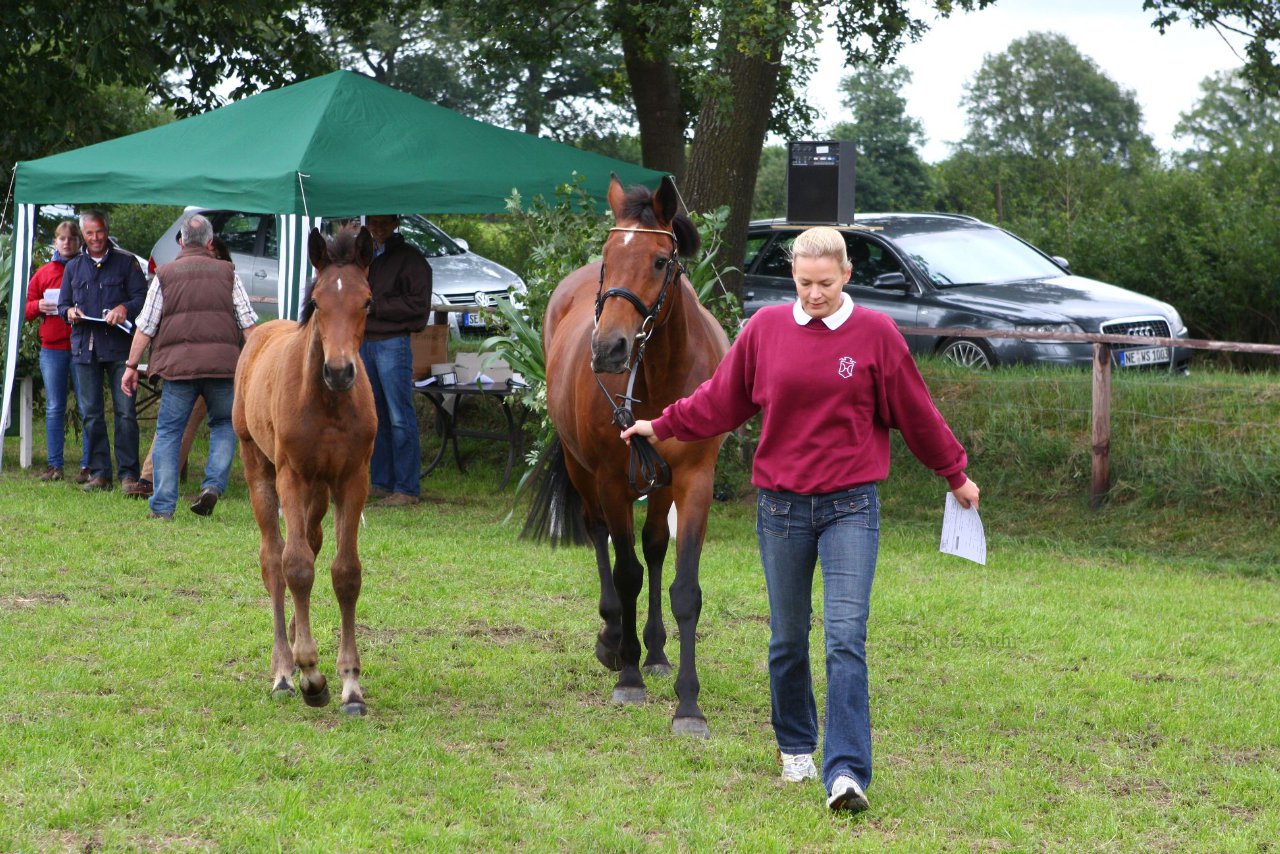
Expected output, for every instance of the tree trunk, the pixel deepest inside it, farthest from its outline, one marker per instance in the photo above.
(730, 134)
(655, 89)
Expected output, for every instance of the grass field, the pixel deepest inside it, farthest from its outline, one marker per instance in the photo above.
(1072, 695)
(1106, 682)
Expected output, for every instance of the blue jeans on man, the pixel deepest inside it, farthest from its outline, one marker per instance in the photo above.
(842, 531)
(55, 370)
(89, 397)
(177, 397)
(397, 453)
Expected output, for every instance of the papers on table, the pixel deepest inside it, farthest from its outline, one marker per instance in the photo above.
(962, 533)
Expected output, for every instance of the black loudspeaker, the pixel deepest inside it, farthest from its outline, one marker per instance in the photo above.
(820, 182)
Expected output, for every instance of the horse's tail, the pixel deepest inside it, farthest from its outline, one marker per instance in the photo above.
(556, 513)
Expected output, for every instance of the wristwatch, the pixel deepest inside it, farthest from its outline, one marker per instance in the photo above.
(133, 365)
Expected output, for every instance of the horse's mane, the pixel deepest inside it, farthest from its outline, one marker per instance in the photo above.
(638, 205)
(342, 251)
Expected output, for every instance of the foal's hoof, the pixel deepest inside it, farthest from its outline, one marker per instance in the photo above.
(693, 727)
(629, 695)
(318, 699)
(355, 709)
(608, 657)
(658, 668)
(282, 690)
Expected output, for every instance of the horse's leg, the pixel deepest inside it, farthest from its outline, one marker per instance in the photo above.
(693, 497)
(654, 539)
(299, 573)
(260, 475)
(345, 572)
(609, 639)
(316, 508)
(628, 576)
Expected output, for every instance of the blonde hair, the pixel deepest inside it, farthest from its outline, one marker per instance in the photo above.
(68, 225)
(821, 242)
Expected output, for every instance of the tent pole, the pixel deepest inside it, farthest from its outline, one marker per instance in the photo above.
(21, 248)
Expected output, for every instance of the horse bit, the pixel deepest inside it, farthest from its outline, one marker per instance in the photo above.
(647, 470)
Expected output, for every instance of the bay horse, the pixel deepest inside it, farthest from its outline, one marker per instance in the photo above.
(305, 416)
(630, 329)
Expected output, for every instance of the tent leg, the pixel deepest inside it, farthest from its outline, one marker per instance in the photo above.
(25, 401)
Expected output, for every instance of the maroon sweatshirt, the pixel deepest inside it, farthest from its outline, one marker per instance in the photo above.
(829, 397)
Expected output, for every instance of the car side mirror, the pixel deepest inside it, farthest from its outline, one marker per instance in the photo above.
(890, 282)
(1061, 262)
(461, 241)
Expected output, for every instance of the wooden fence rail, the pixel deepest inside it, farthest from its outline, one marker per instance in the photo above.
(1100, 420)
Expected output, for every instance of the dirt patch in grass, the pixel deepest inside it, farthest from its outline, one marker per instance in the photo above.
(22, 602)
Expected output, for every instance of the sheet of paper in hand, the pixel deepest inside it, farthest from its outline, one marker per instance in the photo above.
(962, 533)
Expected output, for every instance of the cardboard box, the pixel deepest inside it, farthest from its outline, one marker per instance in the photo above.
(430, 347)
(472, 365)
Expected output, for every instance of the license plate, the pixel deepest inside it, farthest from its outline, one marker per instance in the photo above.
(1149, 356)
(473, 318)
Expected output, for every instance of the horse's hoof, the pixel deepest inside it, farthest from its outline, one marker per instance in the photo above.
(282, 690)
(693, 727)
(629, 695)
(318, 699)
(660, 668)
(355, 709)
(608, 657)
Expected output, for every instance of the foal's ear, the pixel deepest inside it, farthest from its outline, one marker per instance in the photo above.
(364, 248)
(666, 202)
(318, 250)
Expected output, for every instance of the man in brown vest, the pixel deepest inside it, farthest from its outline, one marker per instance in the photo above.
(195, 318)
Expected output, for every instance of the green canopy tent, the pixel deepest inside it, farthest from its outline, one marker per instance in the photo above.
(337, 145)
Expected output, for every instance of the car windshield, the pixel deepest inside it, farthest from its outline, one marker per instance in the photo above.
(424, 234)
(975, 257)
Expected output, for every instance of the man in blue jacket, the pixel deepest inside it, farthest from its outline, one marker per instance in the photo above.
(102, 292)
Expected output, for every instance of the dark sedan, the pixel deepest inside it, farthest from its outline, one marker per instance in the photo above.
(944, 270)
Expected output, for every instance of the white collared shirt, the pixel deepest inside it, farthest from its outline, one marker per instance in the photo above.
(833, 320)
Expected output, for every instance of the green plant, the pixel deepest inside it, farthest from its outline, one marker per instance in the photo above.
(708, 279)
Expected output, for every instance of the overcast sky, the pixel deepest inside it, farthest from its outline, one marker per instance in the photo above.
(1164, 71)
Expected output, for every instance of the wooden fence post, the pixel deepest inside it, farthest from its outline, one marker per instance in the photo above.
(1101, 425)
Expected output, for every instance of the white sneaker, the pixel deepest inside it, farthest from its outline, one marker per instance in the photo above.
(846, 794)
(798, 767)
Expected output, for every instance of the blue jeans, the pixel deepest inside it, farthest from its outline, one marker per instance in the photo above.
(397, 454)
(177, 398)
(55, 370)
(842, 530)
(92, 409)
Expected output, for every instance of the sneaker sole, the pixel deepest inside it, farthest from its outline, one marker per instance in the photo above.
(849, 800)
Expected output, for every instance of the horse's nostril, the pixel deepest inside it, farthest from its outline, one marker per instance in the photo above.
(340, 379)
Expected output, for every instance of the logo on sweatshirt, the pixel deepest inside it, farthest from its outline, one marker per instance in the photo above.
(846, 366)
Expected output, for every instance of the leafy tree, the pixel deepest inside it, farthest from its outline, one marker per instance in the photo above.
(1042, 98)
(55, 57)
(770, 199)
(891, 175)
(539, 67)
(1230, 118)
(761, 51)
(1257, 20)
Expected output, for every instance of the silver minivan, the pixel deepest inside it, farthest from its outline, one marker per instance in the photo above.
(459, 276)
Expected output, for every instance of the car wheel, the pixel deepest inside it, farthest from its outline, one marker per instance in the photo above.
(968, 353)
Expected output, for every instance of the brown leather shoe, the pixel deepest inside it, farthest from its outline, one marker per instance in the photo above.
(136, 488)
(203, 506)
(84, 475)
(97, 483)
(398, 499)
(377, 492)
(51, 473)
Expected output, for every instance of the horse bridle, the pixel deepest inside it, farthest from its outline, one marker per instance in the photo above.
(647, 470)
